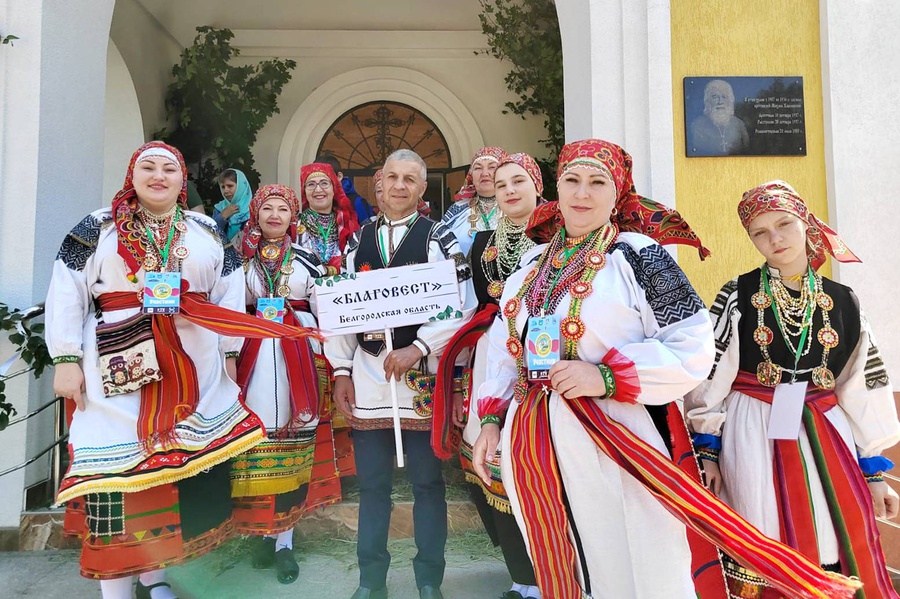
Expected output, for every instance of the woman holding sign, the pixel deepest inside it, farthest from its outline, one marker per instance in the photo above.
(284, 383)
(144, 318)
(327, 220)
(790, 424)
(495, 256)
(600, 334)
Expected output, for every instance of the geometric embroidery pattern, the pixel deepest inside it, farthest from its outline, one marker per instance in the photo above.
(445, 240)
(105, 514)
(80, 243)
(875, 373)
(668, 291)
(722, 312)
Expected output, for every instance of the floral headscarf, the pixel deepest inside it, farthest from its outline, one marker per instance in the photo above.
(531, 167)
(131, 241)
(493, 153)
(346, 216)
(254, 233)
(778, 196)
(632, 212)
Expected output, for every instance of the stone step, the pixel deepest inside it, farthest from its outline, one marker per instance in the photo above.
(39, 530)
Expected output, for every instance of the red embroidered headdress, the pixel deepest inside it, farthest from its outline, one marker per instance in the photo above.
(253, 233)
(131, 242)
(531, 167)
(346, 215)
(781, 197)
(633, 212)
(498, 155)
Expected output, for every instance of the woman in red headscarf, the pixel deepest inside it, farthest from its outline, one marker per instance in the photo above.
(327, 220)
(145, 316)
(495, 256)
(786, 334)
(476, 203)
(284, 383)
(600, 335)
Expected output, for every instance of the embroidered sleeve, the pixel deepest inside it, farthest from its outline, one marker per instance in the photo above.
(449, 248)
(81, 242)
(669, 293)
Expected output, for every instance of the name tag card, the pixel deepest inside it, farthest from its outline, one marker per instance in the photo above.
(541, 346)
(787, 411)
(162, 292)
(270, 308)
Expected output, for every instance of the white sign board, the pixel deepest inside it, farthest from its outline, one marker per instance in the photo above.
(387, 298)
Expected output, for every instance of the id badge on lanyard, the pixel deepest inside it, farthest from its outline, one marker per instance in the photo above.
(162, 292)
(542, 346)
(270, 308)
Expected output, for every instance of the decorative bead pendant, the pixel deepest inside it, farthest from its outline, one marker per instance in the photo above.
(284, 290)
(572, 328)
(181, 226)
(761, 301)
(763, 335)
(491, 253)
(495, 289)
(828, 337)
(823, 378)
(301, 229)
(270, 252)
(151, 262)
(514, 347)
(287, 269)
(519, 390)
(181, 252)
(768, 374)
(595, 259)
(511, 309)
(581, 289)
(559, 260)
(824, 301)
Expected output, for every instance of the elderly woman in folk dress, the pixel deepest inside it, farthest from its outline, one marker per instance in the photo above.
(476, 205)
(600, 334)
(327, 220)
(495, 256)
(150, 440)
(284, 383)
(780, 328)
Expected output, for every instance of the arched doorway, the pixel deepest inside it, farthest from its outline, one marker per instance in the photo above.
(363, 137)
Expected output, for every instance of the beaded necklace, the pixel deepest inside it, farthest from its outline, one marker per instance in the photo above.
(546, 285)
(322, 231)
(165, 234)
(273, 264)
(503, 252)
(477, 207)
(795, 319)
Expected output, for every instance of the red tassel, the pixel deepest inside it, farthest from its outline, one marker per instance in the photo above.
(628, 385)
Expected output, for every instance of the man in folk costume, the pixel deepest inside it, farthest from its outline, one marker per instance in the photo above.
(363, 367)
(476, 202)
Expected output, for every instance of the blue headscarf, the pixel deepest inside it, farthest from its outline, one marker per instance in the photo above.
(241, 198)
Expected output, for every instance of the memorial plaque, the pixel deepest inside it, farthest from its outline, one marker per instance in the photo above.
(744, 116)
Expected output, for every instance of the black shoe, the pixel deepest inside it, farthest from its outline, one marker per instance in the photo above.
(364, 593)
(512, 595)
(263, 552)
(142, 592)
(430, 592)
(286, 567)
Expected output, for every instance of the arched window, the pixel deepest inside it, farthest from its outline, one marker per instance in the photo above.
(363, 137)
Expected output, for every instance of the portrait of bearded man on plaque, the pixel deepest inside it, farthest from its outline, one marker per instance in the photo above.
(717, 132)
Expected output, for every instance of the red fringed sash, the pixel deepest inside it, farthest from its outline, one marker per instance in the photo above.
(303, 378)
(849, 500)
(172, 399)
(539, 489)
(445, 437)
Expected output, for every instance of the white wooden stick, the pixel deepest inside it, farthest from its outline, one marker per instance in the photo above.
(395, 402)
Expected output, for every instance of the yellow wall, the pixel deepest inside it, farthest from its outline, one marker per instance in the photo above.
(744, 38)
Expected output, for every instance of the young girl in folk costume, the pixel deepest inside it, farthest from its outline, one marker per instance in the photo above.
(147, 484)
(327, 220)
(233, 211)
(285, 384)
(600, 333)
(784, 328)
(495, 256)
(476, 205)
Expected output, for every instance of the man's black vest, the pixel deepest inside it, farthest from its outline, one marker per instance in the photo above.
(413, 249)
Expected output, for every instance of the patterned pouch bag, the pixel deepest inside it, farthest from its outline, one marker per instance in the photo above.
(423, 384)
(127, 354)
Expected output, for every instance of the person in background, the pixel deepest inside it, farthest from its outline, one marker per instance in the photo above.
(233, 211)
(476, 207)
(327, 220)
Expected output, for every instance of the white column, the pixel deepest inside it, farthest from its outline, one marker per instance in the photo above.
(860, 91)
(618, 83)
(52, 86)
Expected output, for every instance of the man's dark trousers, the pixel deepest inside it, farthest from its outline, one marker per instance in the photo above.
(374, 451)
